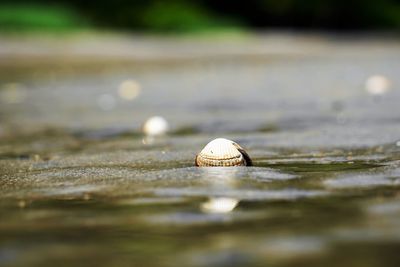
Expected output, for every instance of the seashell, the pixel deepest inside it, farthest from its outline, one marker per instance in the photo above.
(224, 153)
(155, 126)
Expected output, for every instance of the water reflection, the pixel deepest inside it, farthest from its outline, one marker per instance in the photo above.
(222, 177)
(219, 205)
(363, 180)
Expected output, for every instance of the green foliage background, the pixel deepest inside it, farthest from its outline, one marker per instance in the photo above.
(198, 15)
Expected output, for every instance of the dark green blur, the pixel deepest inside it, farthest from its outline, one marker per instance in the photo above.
(199, 15)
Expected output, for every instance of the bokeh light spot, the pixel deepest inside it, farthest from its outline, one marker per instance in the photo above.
(129, 89)
(377, 85)
(106, 102)
(13, 93)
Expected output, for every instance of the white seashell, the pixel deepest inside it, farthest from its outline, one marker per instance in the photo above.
(222, 152)
(155, 126)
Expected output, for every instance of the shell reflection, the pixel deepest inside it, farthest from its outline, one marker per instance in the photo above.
(219, 205)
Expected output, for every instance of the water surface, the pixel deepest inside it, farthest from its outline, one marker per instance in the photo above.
(81, 185)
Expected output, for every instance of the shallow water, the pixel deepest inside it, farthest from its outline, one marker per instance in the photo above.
(81, 185)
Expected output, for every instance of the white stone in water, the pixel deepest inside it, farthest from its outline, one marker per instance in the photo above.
(219, 205)
(155, 126)
(377, 85)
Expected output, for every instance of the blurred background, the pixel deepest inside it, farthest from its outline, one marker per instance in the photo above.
(125, 41)
(198, 15)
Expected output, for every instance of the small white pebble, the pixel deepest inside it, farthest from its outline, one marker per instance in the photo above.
(155, 126)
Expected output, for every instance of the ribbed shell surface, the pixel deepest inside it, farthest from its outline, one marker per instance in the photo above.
(220, 152)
